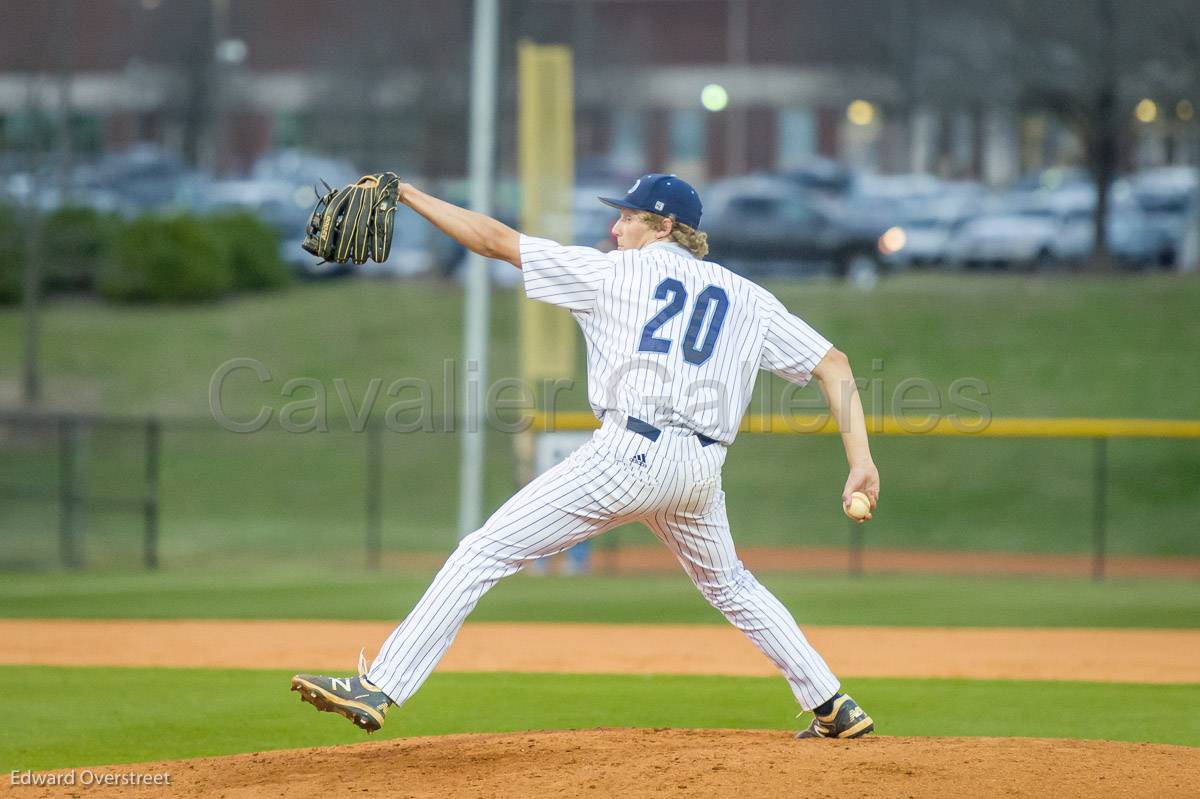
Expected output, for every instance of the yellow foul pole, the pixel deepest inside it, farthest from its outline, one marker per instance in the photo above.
(547, 170)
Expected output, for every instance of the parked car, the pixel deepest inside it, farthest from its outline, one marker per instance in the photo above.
(303, 168)
(822, 176)
(1059, 233)
(926, 234)
(1167, 196)
(1053, 179)
(1132, 240)
(282, 205)
(1008, 239)
(282, 189)
(135, 181)
(927, 239)
(879, 202)
(763, 224)
(275, 202)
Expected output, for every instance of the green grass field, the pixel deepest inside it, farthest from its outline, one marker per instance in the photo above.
(128, 715)
(119, 715)
(179, 713)
(1044, 347)
(271, 525)
(919, 600)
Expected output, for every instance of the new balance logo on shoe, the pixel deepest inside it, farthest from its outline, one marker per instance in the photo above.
(351, 697)
(845, 720)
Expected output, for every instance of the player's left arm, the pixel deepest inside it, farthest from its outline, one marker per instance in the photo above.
(478, 232)
(836, 380)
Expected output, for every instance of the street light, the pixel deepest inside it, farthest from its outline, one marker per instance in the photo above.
(860, 112)
(1146, 110)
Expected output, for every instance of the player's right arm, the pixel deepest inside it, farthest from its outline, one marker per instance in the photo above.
(836, 379)
(796, 352)
(478, 232)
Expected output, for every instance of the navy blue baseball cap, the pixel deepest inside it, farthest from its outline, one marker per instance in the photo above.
(665, 195)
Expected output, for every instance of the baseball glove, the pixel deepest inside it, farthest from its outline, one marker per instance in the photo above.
(354, 223)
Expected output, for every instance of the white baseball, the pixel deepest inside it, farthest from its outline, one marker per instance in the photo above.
(859, 507)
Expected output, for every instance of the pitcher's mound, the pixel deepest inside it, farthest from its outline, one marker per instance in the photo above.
(683, 763)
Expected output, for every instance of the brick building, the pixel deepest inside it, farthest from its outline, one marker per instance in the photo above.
(386, 82)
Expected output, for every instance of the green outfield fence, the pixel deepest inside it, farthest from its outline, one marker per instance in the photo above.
(82, 490)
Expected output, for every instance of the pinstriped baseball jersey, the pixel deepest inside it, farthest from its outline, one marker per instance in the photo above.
(673, 347)
(671, 339)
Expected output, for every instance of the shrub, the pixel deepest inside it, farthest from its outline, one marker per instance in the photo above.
(174, 259)
(251, 248)
(79, 242)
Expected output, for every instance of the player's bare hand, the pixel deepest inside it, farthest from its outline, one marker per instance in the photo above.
(863, 477)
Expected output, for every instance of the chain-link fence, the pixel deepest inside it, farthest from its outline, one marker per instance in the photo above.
(97, 491)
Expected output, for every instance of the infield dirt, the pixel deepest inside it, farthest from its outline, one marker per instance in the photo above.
(665, 764)
(645, 763)
(1142, 656)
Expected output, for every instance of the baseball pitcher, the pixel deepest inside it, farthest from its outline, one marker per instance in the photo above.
(674, 344)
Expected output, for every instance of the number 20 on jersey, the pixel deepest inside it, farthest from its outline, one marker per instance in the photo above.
(694, 351)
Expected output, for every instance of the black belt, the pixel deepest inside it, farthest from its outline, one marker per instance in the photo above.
(651, 432)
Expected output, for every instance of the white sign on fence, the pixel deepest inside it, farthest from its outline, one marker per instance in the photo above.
(553, 448)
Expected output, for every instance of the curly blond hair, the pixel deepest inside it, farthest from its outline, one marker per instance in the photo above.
(692, 240)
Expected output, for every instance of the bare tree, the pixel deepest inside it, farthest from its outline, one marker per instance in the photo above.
(1075, 59)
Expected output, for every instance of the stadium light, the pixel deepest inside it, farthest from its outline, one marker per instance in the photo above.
(714, 97)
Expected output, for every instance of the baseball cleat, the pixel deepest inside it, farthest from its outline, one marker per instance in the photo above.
(353, 697)
(846, 720)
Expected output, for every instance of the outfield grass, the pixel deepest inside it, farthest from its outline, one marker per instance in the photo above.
(1044, 347)
(127, 715)
(876, 599)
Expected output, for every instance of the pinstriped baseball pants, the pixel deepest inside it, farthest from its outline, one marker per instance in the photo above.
(674, 489)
